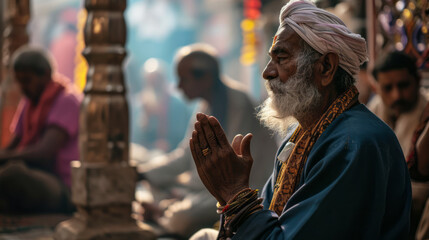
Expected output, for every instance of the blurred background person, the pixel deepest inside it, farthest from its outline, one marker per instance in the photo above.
(400, 104)
(400, 100)
(160, 116)
(35, 166)
(185, 205)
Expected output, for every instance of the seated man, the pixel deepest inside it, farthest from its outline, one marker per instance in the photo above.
(35, 166)
(340, 173)
(175, 173)
(400, 103)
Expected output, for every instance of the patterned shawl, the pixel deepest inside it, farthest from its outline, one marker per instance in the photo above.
(291, 169)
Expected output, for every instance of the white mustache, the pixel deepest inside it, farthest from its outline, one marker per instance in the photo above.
(275, 86)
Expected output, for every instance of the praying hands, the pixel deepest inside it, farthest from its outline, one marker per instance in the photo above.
(223, 168)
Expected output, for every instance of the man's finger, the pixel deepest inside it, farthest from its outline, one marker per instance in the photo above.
(194, 155)
(198, 159)
(218, 131)
(236, 144)
(200, 133)
(195, 148)
(208, 131)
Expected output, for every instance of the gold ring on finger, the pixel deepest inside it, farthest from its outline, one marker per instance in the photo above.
(206, 151)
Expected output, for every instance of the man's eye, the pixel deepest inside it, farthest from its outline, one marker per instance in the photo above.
(281, 59)
(387, 88)
(23, 80)
(403, 85)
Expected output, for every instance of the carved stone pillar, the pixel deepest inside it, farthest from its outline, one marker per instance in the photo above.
(16, 14)
(103, 184)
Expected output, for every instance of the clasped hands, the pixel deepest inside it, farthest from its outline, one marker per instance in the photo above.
(223, 168)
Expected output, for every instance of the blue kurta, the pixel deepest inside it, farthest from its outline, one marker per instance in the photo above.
(354, 185)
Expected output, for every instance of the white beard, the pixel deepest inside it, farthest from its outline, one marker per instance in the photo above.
(295, 99)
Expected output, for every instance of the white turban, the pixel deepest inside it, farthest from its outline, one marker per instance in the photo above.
(325, 33)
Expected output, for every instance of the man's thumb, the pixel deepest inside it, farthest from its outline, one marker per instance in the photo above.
(245, 145)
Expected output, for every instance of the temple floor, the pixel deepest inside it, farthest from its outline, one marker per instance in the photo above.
(29, 227)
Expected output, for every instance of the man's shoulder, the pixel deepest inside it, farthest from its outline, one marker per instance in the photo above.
(423, 98)
(360, 124)
(69, 97)
(238, 93)
(67, 103)
(357, 131)
(64, 112)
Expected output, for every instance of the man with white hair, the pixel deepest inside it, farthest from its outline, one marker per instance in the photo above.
(339, 174)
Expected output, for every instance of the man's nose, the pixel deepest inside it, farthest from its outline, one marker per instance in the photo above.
(270, 71)
(396, 94)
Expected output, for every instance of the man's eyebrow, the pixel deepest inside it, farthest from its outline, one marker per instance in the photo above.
(277, 50)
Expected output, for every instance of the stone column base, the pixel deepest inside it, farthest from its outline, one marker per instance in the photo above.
(103, 194)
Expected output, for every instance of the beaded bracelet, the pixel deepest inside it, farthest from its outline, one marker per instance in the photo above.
(234, 200)
(237, 210)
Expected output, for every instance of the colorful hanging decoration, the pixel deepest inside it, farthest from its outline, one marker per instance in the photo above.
(252, 12)
(81, 65)
(403, 26)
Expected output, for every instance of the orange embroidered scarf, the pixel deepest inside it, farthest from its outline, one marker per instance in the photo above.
(291, 170)
(34, 116)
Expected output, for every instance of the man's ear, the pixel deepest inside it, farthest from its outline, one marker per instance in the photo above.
(327, 67)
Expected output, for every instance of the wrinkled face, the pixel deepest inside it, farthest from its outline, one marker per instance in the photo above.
(31, 84)
(398, 90)
(290, 84)
(283, 54)
(290, 76)
(192, 81)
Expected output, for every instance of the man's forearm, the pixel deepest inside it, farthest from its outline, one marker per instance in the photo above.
(31, 154)
(43, 151)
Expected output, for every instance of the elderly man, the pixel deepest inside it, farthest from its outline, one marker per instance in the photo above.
(340, 173)
(35, 167)
(200, 77)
